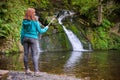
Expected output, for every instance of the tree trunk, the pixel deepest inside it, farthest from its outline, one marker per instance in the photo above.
(100, 12)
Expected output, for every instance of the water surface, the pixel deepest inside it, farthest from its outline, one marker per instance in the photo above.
(96, 65)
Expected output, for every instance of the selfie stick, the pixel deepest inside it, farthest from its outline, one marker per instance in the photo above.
(53, 19)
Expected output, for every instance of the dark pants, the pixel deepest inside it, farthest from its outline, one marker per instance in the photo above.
(31, 46)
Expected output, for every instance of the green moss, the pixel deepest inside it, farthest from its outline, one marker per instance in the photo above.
(114, 41)
(11, 18)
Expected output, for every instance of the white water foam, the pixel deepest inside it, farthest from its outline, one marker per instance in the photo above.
(75, 42)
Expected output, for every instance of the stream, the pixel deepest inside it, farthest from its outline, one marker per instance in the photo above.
(95, 65)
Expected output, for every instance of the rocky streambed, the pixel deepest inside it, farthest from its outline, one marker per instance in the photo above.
(15, 75)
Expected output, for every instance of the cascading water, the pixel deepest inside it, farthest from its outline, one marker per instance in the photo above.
(75, 42)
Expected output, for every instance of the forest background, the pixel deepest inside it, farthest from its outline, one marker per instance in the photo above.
(97, 20)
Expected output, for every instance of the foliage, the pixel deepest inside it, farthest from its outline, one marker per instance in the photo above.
(3, 12)
(10, 22)
(5, 30)
(37, 3)
(43, 3)
(85, 5)
(114, 42)
(86, 8)
(101, 37)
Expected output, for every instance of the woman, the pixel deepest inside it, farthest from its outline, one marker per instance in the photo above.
(29, 35)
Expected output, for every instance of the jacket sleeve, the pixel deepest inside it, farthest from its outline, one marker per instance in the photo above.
(39, 29)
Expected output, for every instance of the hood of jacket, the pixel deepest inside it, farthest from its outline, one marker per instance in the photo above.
(27, 25)
(26, 22)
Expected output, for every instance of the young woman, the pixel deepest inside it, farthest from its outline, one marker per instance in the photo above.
(29, 35)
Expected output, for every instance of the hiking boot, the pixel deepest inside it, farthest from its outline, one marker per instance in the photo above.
(28, 71)
(37, 74)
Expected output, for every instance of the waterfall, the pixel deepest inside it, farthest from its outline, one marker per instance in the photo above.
(75, 42)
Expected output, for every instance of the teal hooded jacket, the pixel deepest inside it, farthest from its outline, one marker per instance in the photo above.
(31, 28)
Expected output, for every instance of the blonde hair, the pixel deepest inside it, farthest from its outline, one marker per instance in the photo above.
(30, 14)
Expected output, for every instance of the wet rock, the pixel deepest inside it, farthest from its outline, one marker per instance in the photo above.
(14, 75)
(3, 74)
